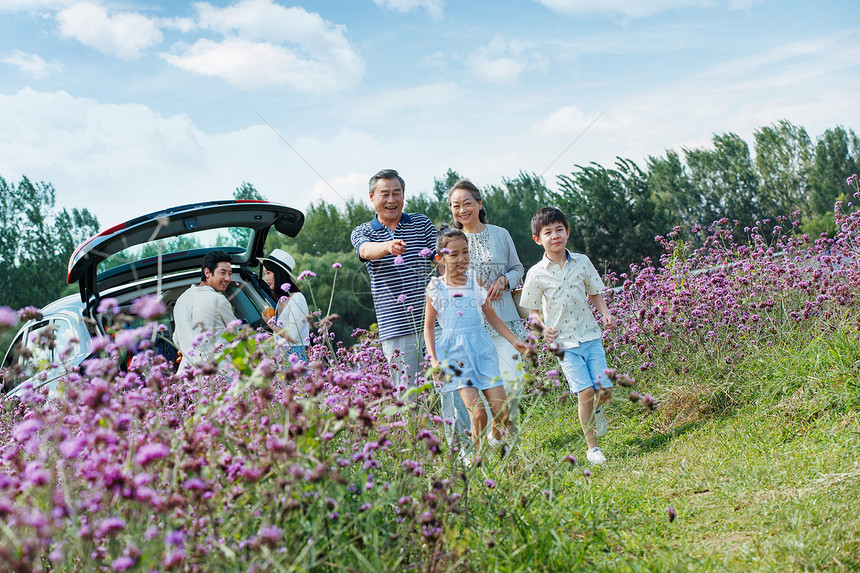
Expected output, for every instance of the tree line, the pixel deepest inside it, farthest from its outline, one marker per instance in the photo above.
(615, 212)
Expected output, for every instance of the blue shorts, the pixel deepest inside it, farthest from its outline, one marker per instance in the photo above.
(584, 366)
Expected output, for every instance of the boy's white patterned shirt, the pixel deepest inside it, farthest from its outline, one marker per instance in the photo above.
(561, 294)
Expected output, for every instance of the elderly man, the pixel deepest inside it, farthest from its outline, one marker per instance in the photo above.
(396, 247)
(202, 313)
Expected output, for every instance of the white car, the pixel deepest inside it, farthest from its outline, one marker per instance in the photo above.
(158, 254)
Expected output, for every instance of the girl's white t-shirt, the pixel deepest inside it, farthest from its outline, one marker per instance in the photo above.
(292, 319)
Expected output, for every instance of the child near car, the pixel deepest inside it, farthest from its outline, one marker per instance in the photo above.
(557, 291)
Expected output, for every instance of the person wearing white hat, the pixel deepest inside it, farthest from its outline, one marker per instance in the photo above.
(292, 309)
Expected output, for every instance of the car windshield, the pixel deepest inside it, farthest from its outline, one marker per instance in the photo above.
(222, 238)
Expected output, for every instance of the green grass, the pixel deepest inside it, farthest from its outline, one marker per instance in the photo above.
(767, 481)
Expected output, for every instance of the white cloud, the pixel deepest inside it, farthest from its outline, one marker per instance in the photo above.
(400, 105)
(349, 186)
(266, 44)
(565, 120)
(433, 7)
(808, 83)
(183, 25)
(32, 5)
(121, 161)
(31, 64)
(632, 8)
(502, 61)
(436, 60)
(123, 34)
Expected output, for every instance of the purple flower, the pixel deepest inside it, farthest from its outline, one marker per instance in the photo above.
(306, 275)
(123, 563)
(195, 484)
(148, 307)
(672, 513)
(398, 260)
(425, 252)
(30, 313)
(571, 459)
(402, 298)
(8, 317)
(336, 265)
(110, 525)
(151, 452)
(72, 447)
(176, 538)
(271, 533)
(173, 559)
(445, 251)
(286, 286)
(459, 313)
(586, 473)
(490, 483)
(26, 429)
(35, 474)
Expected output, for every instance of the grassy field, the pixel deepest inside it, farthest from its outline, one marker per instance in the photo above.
(768, 482)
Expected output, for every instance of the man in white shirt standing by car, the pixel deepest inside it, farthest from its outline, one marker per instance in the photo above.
(202, 313)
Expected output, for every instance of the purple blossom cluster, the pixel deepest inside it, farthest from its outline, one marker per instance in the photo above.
(140, 468)
(721, 299)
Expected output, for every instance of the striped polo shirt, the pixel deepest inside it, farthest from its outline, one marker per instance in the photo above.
(398, 286)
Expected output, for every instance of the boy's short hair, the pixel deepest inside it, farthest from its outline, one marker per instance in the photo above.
(548, 216)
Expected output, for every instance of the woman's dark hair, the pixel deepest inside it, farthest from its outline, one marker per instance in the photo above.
(446, 234)
(548, 216)
(211, 261)
(476, 195)
(281, 278)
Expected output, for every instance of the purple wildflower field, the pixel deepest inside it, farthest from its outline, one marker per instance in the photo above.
(262, 462)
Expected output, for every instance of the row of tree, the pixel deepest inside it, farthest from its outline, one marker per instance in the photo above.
(615, 212)
(36, 242)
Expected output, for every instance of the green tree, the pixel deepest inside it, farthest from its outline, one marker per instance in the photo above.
(836, 157)
(672, 190)
(244, 192)
(512, 205)
(351, 300)
(36, 242)
(327, 228)
(783, 154)
(612, 214)
(724, 181)
(435, 205)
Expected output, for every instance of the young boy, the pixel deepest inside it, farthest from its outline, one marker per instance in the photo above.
(561, 285)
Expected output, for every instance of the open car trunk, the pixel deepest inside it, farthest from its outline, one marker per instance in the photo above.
(110, 259)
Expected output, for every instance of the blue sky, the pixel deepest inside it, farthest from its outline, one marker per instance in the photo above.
(132, 106)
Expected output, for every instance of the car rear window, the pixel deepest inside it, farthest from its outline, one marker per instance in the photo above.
(222, 238)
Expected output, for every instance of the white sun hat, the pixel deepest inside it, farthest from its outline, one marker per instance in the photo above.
(284, 260)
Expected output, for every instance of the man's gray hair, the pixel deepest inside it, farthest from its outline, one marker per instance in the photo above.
(386, 174)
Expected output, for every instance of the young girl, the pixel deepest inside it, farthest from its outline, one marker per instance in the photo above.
(457, 300)
(292, 307)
